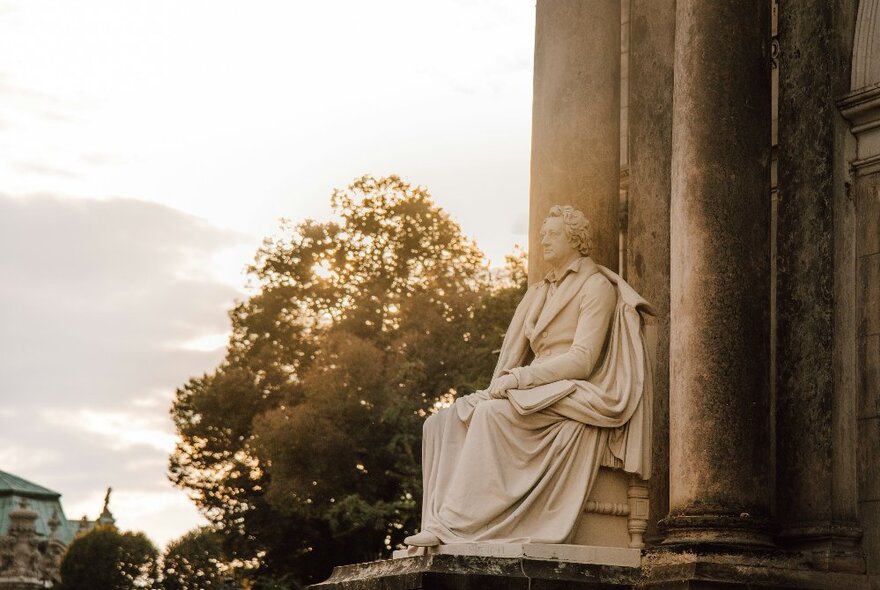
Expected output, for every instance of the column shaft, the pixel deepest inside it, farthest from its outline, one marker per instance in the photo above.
(652, 44)
(720, 464)
(576, 120)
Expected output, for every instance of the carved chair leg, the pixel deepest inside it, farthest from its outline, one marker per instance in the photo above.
(637, 524)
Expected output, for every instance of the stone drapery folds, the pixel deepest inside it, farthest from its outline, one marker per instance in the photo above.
(493, 475)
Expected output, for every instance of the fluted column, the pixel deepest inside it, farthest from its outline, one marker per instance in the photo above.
(576, 120)
(720, 463)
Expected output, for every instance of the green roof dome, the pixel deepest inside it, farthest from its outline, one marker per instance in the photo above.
(12, 484)
(43, 501)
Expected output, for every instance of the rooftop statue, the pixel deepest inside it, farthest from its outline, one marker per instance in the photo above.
(515, 463)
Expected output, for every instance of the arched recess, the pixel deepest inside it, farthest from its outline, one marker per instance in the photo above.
(866, 46)
(862, 106)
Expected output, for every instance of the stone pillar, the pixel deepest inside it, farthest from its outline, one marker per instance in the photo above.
(816, 344)
(652, 44)
(576, 120)
(720, 464)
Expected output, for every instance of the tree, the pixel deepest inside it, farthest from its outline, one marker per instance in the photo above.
(196, 561)
(105, 559)
(303, 445)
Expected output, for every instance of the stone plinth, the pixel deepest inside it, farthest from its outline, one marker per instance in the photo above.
(660, 569)
(757, 570)
(20, 583)
(459, 572)
(616, 556)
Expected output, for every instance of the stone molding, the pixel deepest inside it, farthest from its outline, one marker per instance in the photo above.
(862, 109)
(711, 529)
(612, 508)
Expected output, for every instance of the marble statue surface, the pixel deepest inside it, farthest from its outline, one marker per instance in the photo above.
(495, 472)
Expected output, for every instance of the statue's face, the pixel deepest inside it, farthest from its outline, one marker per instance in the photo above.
(554, 243)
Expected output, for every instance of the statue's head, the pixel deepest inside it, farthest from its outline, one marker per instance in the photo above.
(565, 231)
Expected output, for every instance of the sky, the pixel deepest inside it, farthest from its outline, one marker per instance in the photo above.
(146, 148)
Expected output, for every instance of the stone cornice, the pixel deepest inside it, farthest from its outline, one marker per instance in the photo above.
(862, 109)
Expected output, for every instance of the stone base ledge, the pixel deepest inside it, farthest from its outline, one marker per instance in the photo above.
(774, 569)
(617, 556)
(660, 569)
(470, 572)
(20, 583)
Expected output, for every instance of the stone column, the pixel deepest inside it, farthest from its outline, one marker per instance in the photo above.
(720, 464)
(576, 120)
(652, 43)
(816, 348)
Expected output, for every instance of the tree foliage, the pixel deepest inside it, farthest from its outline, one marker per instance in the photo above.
(196, 561)
(302, 447)
(105, 559)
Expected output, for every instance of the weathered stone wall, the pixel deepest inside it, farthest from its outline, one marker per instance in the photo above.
(815, 350)
(868, 240)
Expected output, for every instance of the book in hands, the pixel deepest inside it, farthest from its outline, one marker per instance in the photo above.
(534, 399)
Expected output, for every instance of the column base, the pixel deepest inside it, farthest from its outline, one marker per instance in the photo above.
(742, 531)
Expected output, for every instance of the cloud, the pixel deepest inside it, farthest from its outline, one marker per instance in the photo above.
(120, 430)
(44, 169)
(106, 308)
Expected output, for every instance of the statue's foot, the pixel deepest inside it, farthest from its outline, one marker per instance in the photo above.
(422, 539)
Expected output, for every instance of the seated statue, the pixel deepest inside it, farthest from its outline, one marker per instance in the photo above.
(494, 472)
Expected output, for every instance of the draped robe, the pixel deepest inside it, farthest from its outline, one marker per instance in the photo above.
(492, 474)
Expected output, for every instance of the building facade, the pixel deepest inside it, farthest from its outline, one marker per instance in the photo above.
(34, 533)
(729, 152)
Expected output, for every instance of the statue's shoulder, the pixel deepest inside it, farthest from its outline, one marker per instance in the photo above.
(626, 293)
(592, 276)
(598, 287)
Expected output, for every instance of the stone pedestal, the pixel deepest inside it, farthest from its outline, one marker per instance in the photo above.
(720, 462)
(666, 570)
(460, 572)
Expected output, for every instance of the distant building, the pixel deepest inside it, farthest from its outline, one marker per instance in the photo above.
(34, 533)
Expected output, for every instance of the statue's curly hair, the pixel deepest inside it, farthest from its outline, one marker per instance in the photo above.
(578, 229)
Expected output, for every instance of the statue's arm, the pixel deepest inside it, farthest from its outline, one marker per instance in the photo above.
(514, 344)
(595, 311)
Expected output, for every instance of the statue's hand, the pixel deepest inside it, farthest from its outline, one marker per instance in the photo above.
(498, 388)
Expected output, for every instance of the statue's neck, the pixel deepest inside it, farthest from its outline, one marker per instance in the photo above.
(561, 266)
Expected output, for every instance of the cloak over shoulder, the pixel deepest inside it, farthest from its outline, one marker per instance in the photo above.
(618, 394)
